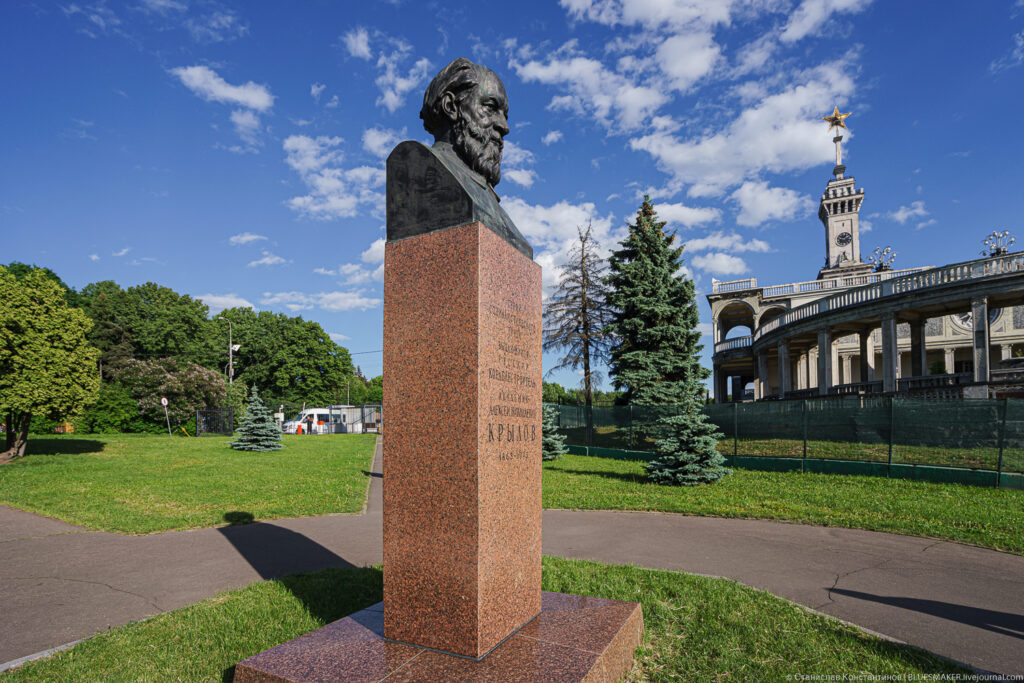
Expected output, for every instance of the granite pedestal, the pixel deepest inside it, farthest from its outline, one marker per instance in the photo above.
(574, 638)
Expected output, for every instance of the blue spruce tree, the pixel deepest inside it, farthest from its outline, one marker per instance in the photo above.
(258, 431)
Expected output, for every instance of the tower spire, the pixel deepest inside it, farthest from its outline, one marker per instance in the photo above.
(838, 212)
(837, 121)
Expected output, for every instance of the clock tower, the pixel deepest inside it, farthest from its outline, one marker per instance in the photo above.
(839, 212)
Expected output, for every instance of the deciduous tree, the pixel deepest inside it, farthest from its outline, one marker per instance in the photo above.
(47, 367)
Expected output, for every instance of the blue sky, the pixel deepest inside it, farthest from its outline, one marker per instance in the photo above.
(234, 151)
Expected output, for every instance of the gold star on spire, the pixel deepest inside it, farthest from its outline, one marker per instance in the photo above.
(836, 120)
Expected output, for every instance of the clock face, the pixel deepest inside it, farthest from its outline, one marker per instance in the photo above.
(967, 319)
(844, 238)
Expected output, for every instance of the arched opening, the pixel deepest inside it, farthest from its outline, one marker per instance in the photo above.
(770, 314)
(737, 314)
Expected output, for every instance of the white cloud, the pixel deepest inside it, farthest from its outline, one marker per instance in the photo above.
(163, 6)
(219, 302)
(722, 264)
(333, 102)
(811, 15)
(94, 257)
(122, 252)
(268, 259)
(902, 214)
(204, 82)
(760, 203)
(217, 26)
(324, 271)
(520, 176)
(328, 301)
(685, 58)
(375, 253)
(610, 97)
(247, 125)
(780, 133)
(514, 159)
(380, 141)
(1015, 57)
(688, 216)
(357, 42)
(552, 231)
(333, 192)
(651, 13)
(552, 137)
(336, 337)
(925, 224)
(514, 155)
(316, 89)
(732, 242)
(393, 85)
(244, 238)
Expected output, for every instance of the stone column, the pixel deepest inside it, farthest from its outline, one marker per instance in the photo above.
(979, 314)
(784, 369)
(762, 375)
(890, 354)
(800, 373)
(918, 353)
(810, 367)
(867, 356)
(737, 388)
(1005, 351)
(720, 380)
(825, 367)
(949, 356)
(846, 379)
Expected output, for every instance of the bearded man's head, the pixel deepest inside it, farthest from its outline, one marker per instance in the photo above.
(466, 105)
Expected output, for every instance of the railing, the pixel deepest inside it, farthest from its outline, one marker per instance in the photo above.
(957, 272)
(837, 283)
(933, 381)
(733, 285)
(734, 343)
(803, 393)
(856, 388)
(1007, 375)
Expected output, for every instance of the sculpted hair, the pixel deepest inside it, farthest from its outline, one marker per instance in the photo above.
(456, 78)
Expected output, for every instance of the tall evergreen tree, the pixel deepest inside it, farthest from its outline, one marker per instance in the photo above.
(552, 442)
(655, 354)
(258, 431)
(577, 313)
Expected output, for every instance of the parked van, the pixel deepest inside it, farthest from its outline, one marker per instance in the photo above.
(329, 420)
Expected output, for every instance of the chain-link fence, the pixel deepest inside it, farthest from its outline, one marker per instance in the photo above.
(217, 421)
(973, 434)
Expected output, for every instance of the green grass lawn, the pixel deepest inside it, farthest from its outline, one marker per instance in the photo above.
(697, 628)
(139, 484)
(992, 518)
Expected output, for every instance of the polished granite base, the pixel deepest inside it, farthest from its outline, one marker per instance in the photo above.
(574, 638)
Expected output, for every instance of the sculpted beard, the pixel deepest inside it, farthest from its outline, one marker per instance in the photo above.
(479, 147)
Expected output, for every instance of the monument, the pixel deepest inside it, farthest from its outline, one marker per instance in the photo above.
(462, 447)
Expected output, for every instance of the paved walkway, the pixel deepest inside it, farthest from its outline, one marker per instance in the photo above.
(60, 583)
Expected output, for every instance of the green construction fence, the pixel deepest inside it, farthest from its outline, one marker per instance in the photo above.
(969, 441)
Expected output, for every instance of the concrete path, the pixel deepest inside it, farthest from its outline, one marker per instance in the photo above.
(60, 583)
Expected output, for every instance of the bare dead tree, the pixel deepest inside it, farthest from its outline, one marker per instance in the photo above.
(576, 314)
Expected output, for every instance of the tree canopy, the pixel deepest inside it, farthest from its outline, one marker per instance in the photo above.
(655, 355)
(47, 367)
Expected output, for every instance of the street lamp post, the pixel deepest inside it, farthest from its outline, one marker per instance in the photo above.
(231, 354)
